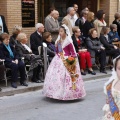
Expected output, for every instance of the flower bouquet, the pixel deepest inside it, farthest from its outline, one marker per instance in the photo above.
(70, 60)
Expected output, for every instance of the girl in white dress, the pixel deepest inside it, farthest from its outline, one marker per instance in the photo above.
(112, 90)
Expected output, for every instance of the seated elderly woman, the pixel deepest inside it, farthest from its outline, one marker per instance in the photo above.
(12, 61)
(96, 49)
(51, 47)
(110, 48)
(24, 51)
(16, 30)
(84, 55)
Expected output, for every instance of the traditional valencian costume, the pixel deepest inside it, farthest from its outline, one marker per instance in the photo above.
(63, 80)
(112, 106)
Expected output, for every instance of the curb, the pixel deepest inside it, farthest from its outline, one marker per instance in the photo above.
(35, 87)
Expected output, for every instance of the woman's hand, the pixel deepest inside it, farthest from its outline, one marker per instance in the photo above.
(16, 61)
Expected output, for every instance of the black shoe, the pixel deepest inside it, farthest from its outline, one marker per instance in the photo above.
(91, 72)
(0, 89)
(36, 81)
(83, 73)
(103, 71)
(14, 85)
(24, 84)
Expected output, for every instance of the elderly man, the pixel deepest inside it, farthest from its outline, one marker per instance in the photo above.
(52, 25)
(51, 10)
(69, 20)
(36, 38)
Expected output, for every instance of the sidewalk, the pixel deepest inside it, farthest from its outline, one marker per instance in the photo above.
(8, 91)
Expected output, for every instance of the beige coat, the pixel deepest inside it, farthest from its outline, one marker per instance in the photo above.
(67, 22)
(98, 25)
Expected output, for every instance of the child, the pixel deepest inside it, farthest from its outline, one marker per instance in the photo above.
(113, 34)
(112, 90)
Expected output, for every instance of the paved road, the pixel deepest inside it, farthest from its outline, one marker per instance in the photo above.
(33, 106)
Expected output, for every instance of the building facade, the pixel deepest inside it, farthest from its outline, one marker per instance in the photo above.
(12, 10)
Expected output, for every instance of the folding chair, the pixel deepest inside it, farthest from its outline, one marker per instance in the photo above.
(5, 75)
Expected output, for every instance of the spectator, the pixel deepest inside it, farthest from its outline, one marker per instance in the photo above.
(113, 34)
(26, 52)
(96, 49)
(117, 22)
(80, 21)
(51, 48)
(16, 30)
(85, 57)
(86, 9)
(36, 38)
(3, 26)
(52, 25)
(100, 22)
(76, 16)
(69, 20)
(50, 13)
(88, 24)
(110, 49)
(12, 61)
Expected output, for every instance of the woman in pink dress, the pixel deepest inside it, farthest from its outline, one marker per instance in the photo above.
(63, 81)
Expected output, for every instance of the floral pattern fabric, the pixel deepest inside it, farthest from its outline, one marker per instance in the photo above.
(58, 83)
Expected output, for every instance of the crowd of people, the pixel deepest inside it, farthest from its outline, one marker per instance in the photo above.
(90, 35)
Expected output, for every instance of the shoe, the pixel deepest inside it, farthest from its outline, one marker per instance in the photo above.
(91, 72)
(83, 73)
(103, 71)
(24, 84)
(0, 89)
(36, 81)
(14, 85)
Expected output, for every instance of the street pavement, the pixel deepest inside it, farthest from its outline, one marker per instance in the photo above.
(34, 106)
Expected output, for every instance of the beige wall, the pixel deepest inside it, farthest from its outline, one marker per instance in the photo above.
(110, 7)
(11, 9)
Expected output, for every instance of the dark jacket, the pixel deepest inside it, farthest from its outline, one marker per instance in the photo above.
(105, 42)
(22, 51)
(4, 54)
(80, 22)
(118, 26)
(13, 40)
(35, 41)
(93, 45)
(86, 27)
(50, 50)
(4, 24)
(77, 47)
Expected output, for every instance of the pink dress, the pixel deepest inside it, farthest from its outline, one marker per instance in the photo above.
(58, 83)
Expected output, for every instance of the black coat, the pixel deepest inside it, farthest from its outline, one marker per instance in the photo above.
(86, 27)
(93, 45)
(4, 24)
(22, 51)
(4, 54)
(79, 22)
(118, 26)
(106, 43)
(35, 41)
(77, 47)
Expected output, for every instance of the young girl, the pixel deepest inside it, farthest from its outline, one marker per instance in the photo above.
(62, 82)
(112, 90)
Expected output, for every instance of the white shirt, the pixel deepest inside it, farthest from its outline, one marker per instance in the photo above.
(39, 34)
(75, 17)
(1, 25)
(72, 20)
(27, 48)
